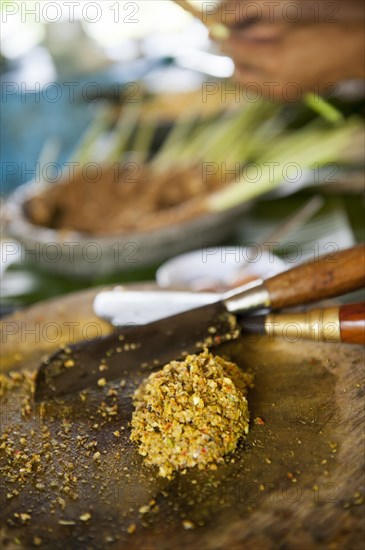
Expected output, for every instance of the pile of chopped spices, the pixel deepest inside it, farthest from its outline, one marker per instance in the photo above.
(191, 413)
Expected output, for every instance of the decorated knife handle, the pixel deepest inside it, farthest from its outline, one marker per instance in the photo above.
(334, 324)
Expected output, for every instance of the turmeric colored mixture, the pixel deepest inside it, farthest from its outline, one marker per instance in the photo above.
(191, 413)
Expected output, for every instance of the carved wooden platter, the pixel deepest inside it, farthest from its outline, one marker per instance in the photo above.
(295, 482)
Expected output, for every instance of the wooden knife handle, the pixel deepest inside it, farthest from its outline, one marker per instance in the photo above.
(330, 275)
(352, 323)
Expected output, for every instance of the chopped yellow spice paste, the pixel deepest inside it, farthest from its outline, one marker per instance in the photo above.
(190, 413)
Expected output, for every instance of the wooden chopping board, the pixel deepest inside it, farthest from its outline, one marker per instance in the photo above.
(295, 482)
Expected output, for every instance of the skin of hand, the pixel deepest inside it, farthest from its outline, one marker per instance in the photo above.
(236, 12)
(284, 59)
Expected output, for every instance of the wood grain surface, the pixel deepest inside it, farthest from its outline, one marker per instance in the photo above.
(295, 482)
(331, 275)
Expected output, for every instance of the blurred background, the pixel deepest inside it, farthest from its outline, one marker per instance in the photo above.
(125, 144)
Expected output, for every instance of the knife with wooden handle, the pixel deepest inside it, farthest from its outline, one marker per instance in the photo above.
(333, 324)
(159, 342)
(329, 275)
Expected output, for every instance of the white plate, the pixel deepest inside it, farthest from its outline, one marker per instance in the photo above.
(218, 267)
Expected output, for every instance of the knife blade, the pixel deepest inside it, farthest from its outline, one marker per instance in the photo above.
(79, 366)
(82, 365)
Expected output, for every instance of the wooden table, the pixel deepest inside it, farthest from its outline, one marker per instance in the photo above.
(295, 482)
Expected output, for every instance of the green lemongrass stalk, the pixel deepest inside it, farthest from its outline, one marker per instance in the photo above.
(177, 135)
(200, 142)
(277, 145)
(290, 143)
(262, 138)
(294, 141)
(213, 141)
(222, 142)
(199, 146)
(241, 149)
(273, 131)
(216, 141)
(143, 140)
(323, 108)
(122, 132)
(188, 151)
(98, 126)
(196, 139)
(245, 150)
(49, 153)
(243, 130)
(319, 148)
(253, 145)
